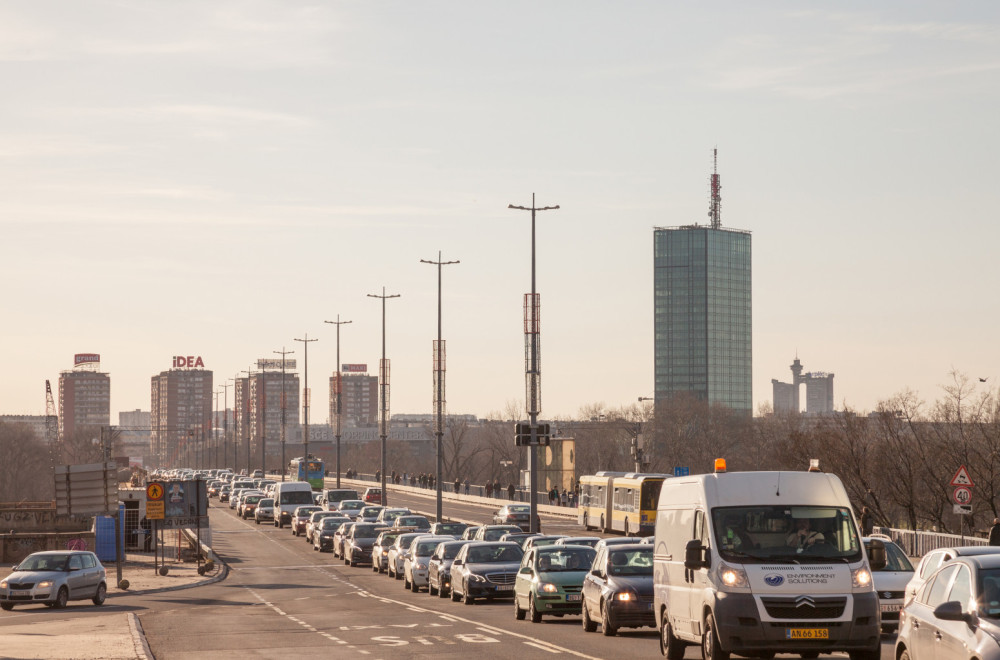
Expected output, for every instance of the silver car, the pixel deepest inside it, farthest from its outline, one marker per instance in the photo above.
(890, 582)
(54, 578)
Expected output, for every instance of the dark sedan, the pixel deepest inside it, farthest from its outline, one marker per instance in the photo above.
(618, 590)
(439, 567)
(324, 532)
(359, 542)
(485, 570)
(513, 514)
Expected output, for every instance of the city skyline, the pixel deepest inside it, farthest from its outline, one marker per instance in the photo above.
(215, 179)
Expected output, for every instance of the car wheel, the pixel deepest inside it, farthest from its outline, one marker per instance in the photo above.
(256, 521)
(589, 625)
(413, 587)
(431, 590)
(406, 580)
(670, 647)
(102, 593)
(518, 612)
(61, 598)
(7, 607)
(315, 548)
(397, 574)
(351, 562)
(905, 655)
(607, 629)
(466, 597)
(536, 616)
(455, 596)
(710, 648)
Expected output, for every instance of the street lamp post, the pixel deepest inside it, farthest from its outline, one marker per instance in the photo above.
(533, 374)
(383, 424)
(246, 417)
(305, 404)
(439, 368)
(337, 384)
(283, 353)
(225, 424)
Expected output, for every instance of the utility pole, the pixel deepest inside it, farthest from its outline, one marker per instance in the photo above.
(533, 372)
(305, 404)
(246, 417)
(284, 402)
(383, 404)
(337, 384)
(439, 367)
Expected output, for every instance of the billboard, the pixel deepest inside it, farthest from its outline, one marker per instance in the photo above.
(185, 504)
(190, 362)
(272, 364)
(87, 489)
(354, 368)
(86, 358)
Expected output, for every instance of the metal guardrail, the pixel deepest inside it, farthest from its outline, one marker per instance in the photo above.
(918, 543)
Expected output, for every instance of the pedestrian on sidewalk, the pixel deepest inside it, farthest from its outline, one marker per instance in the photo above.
(466, 485)
(510, 492)
(995, 532)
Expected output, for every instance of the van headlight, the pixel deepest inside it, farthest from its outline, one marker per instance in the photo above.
(733, 577)
(861, 578)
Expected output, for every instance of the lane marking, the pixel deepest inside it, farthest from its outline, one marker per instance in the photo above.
(539, 646)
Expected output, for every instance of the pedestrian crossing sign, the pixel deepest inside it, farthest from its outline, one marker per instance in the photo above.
(962, 478)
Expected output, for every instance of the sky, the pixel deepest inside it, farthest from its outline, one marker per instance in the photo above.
(217, 179)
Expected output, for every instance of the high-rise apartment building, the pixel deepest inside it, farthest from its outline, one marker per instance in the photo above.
(84, 396)
(265, 413)
(358, 398)
(819, 392)
(702, 311)
(180, 414)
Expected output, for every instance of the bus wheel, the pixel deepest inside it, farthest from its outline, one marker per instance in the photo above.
(626, 527)
(602, 527)
(586, 521)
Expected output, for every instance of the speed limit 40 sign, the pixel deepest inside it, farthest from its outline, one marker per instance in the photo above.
(962, 495)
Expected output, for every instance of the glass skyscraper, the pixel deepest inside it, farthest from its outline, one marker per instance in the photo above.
(702, 317)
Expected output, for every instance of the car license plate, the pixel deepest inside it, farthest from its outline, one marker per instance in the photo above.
(20, 592)
(505, 587)
(807, 633)
(891, 607)
(570, 598)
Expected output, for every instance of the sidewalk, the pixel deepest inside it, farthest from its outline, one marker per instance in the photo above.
(105, 635)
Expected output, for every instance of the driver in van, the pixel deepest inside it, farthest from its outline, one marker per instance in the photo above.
(804, 536)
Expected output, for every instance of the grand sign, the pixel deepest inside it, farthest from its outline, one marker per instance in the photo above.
(86, 358)
(190, 362)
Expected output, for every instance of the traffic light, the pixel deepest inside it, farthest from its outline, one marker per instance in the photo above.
(522, 434)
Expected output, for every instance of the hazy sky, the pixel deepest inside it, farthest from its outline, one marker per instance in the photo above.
(218, 178)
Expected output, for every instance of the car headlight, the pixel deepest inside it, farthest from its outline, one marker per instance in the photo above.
(420, 566)
(44, 584)
(385, 552)
(3, 584)
(733, 577)
(548, 587)
(626, 596)
(861, 578)
(476, 578)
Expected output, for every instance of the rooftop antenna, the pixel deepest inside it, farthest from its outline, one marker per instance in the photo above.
(715, 203)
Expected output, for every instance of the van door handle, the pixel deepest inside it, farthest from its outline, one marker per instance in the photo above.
(937, 635)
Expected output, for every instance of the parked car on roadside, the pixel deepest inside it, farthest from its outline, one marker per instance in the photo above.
(54, 578)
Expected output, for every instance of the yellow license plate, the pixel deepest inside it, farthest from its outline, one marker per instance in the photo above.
(807, 633)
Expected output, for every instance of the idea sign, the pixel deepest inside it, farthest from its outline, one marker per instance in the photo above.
(191, 362)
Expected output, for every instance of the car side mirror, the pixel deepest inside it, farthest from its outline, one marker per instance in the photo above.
(952, 611)
(457, 562)
(695, 555)
(525, 570)
(876, 555)
(596, 572)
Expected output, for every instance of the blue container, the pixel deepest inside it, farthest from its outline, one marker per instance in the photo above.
(104, 527)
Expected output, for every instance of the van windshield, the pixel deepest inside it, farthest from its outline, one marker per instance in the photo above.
(800, 534)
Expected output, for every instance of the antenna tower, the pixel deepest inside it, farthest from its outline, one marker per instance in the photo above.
(715, 185)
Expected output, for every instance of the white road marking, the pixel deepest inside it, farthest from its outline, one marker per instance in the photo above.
(544, 648)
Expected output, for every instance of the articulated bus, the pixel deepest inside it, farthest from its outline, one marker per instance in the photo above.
(620, 502)
(297, 470)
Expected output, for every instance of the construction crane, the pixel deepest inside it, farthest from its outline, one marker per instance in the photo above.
(51, 418)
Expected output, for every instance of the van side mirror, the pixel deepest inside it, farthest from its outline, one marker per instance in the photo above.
(876, 555)
(695, 555)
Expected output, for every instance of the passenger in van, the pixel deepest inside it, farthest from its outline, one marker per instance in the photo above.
(735, 535)
(804, 536)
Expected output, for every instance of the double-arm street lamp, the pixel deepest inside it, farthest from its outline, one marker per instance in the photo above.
(338, 388)
(383, 384)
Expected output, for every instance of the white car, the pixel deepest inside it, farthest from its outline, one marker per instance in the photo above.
(265, 510)
(890, 582)
(397, 553)
(417, 558)
(935, 558)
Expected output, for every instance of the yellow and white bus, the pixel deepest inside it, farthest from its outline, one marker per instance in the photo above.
(620, 502)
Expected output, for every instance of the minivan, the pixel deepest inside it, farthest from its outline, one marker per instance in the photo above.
(288, 496)
(757, 563)
(329, 497)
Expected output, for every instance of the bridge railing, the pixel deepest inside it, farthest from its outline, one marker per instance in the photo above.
(920, 542)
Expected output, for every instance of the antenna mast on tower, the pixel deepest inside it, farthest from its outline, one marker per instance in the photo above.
(715, 185)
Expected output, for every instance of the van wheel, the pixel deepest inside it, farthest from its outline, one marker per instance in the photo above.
(869, 654)
(670, 647)
(710, 647)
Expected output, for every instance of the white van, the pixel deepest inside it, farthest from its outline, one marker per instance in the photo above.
(758, 563)
(288, 496)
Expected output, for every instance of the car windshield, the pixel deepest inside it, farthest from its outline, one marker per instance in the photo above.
(415, 521)
(370, 511)
(896, 559)
(451, 529)
(426, 548)
(306, 511)
(44, 563)
(989, 593)
(786, 534)
(266, 503)
(631, 562)
(366, 531)
(565, 559)
(386, 540)
(494, 554)
(450, 550)
(518, 508)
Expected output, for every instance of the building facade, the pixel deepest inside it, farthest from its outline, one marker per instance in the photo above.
(180, 415)
(358, 399)
(819, 392)
(703, 315)
(84, 399)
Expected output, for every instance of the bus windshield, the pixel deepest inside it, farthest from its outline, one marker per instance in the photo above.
(799, 534)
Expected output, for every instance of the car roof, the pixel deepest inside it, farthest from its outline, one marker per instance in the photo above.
(982, 561)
